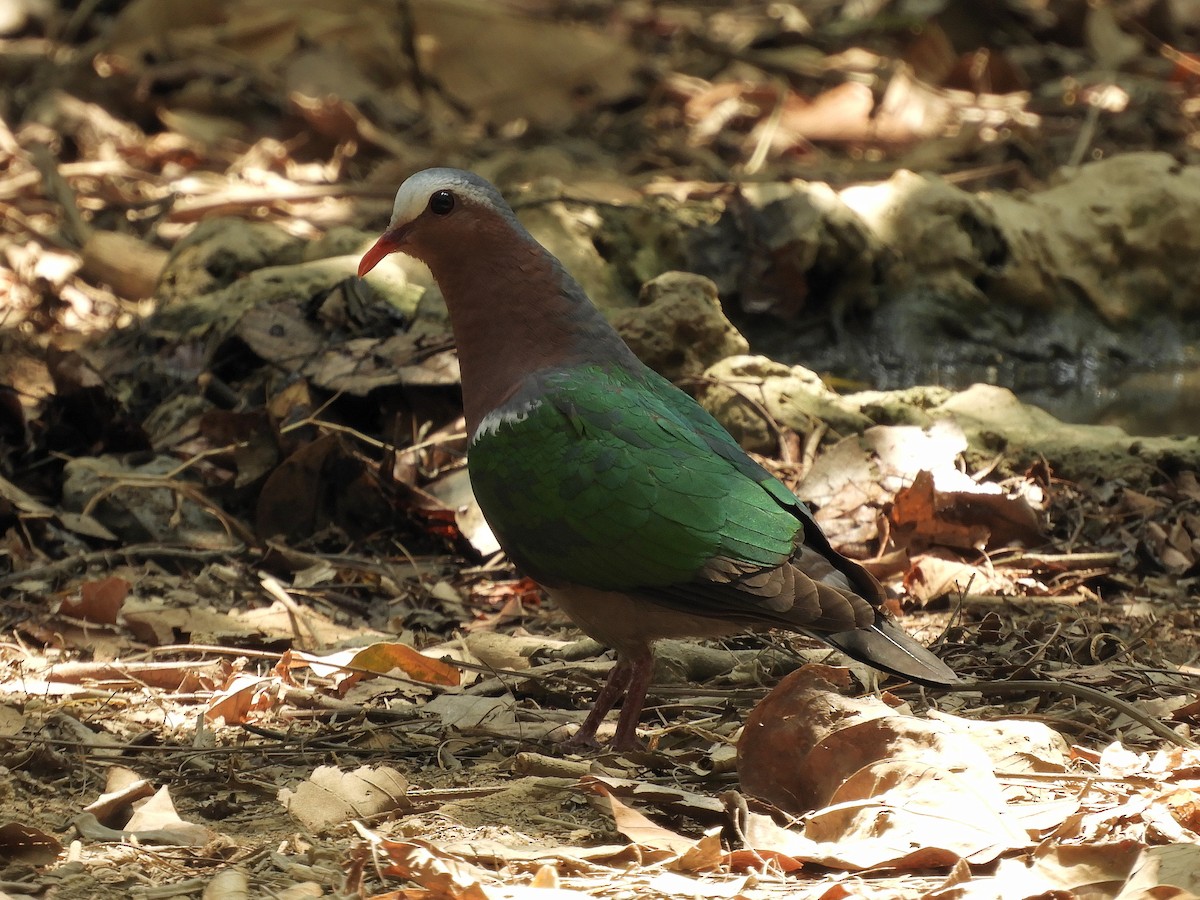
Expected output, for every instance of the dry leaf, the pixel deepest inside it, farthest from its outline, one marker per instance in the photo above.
(155, 820)
(98, 601)
(25, 845)
(380, 659)
(330, 796)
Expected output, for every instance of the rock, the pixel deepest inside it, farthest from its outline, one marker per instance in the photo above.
(938, 235)
(993, 420)
(907, 406)
(219, 310)
(219, 252)
(1089, 274)
(341, 240)
(788, 247)
(679, 328)
(747, 387)
(569, 232)
(1122, 234)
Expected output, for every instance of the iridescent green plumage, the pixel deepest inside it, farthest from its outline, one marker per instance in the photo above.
(605, 483)
(609, 478)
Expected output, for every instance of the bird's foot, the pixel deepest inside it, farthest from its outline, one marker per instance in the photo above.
(630, 676)
(626, 737)
(581, 741)
(585, 738)
(628, 744)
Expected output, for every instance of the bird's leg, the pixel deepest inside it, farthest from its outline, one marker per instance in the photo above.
(614, 687)
(640, 670)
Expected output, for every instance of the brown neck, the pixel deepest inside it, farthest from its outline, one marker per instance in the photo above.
(515, 311)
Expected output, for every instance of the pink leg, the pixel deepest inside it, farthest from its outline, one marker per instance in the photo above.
(614, 687)
(640, 671)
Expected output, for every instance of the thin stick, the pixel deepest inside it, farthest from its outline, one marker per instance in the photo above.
(1081, 692)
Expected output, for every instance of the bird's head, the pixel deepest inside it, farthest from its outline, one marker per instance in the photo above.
(436, 211)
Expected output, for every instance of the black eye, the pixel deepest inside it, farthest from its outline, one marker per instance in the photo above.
(441, 203)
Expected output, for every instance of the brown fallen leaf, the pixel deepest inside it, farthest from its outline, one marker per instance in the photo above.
(1063, 869)
(379, 659)
(122, 787)
(1184, 805)
(322, 483)
(126, 264)
(166, 675)
(916, 515)
(552, 72)
(674, 850)
(803, 709)
(155, 820)
(443, 875)
(245, 694)
(25, 845)
(98, 601)
(969, 518)
(1171, 871)
(331, 796)
(888, 789)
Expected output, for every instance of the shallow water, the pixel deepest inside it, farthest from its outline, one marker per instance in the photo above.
(1149, 389)
(1159, 402)
(1162, 401)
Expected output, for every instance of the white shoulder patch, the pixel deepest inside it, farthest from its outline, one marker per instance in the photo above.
(504, 415)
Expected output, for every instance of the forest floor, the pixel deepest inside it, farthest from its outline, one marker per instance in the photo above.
(256, 639)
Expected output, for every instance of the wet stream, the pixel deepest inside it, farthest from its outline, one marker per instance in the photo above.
(1150, 398)
(1147, 402)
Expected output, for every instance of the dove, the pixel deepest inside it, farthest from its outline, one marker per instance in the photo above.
(634, 509)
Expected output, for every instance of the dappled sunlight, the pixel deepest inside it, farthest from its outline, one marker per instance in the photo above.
(265, 632)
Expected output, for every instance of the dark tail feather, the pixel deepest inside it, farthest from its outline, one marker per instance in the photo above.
(887, 646)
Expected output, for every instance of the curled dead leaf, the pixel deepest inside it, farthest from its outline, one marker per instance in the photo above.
(330, 796)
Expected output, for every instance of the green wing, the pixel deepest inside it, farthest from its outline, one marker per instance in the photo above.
(714, 435)
(612, 481)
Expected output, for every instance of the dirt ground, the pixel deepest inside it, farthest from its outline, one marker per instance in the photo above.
(257, 639)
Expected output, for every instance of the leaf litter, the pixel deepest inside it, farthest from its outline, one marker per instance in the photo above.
(253, 623)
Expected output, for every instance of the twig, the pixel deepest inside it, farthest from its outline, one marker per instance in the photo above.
(158, 482)
(195, 207)
(766, 137)
(812, 446)
(1087, 133)
(296, 614)
(11, 188)
(1097, 560)
(1040, 652)
(56, 188)
(108, 557)
(366, 439)
(1081, 692)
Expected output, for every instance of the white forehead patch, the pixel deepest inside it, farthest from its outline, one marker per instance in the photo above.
(414, 194)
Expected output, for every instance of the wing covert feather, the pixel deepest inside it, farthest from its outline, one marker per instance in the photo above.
(603, 483)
